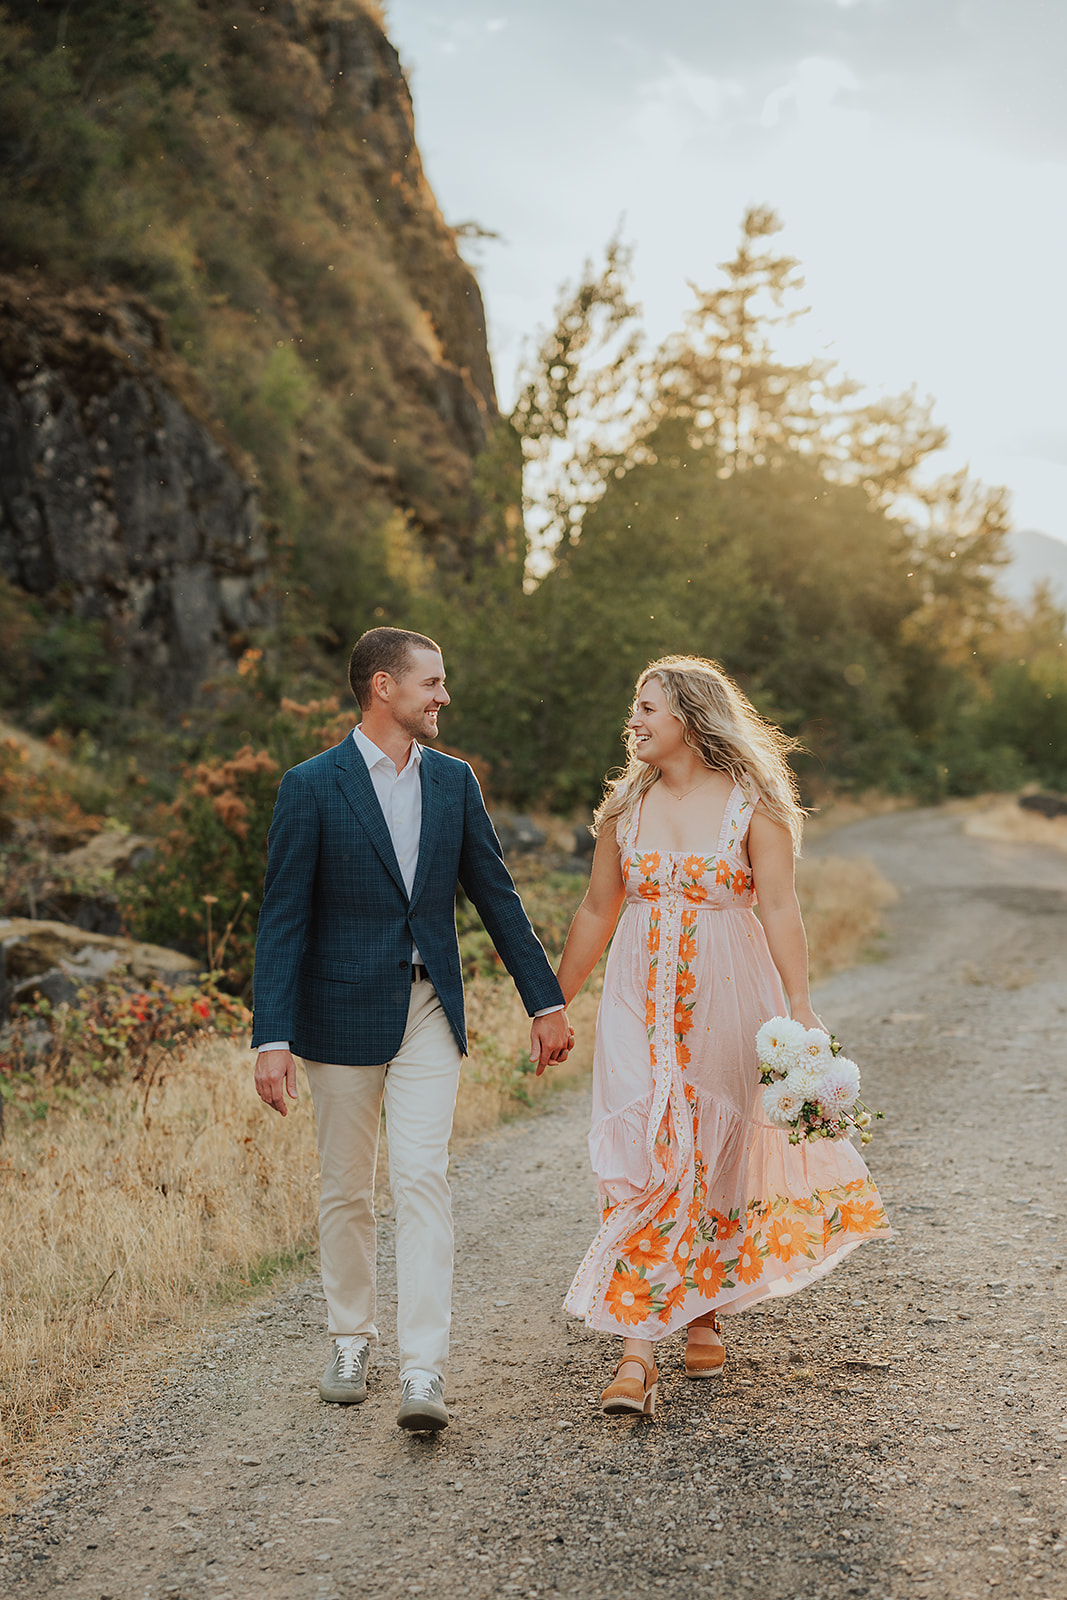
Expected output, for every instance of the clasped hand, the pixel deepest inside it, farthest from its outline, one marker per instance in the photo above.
(551, 1040)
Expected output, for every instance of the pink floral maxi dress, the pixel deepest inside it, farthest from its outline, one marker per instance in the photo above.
(705, 1204)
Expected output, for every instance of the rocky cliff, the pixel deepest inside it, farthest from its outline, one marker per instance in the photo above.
(116, 499)
(229, 285)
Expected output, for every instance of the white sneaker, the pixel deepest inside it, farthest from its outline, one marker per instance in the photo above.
(422, 1403)
(345, 1379)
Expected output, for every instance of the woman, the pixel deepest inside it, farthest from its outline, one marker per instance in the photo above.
(706, 1206)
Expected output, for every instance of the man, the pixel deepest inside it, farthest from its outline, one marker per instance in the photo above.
(357, 971)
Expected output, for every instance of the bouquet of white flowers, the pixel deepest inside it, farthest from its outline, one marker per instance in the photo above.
(812, 1089)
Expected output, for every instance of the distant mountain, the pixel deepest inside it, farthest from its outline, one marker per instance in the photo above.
(1035, 557)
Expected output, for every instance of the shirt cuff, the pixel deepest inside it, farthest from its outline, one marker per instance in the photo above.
(549, 1011)
(278, 1044)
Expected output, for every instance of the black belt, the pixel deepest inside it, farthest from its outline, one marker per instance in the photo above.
(418, 973)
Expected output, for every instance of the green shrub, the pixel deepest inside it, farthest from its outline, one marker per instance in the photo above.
(1027, 713)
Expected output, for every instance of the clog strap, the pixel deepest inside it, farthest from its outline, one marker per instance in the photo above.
(649, 1370)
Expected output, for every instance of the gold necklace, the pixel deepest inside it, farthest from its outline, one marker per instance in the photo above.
(685, 792)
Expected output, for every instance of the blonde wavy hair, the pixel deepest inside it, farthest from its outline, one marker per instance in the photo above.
(727, 731)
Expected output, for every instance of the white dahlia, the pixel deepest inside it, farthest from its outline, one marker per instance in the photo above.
(839, 1086)
(779, 1043)
(816, 1050)
(781, 1104)
(805, 1081)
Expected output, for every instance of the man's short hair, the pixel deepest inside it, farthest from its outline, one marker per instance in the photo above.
(383, 650)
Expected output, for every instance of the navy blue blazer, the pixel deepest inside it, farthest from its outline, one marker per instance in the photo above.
(333, 949)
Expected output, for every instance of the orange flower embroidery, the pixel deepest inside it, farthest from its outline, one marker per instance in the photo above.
(786, 1238)
(695, 893)
(723, 873)
(708, 1273)
(683, 1019)
(827, 1232)
(629, 1298)
(650, 1011)
(749, 1265)
(687, 944)
(684, 1057)
(647, 865)
(653, 934)
(646, 1247)
(686, 985)
(693, 866)
(671, 1299)
(683, 1250)
(648, 891)
(694, 1209)
(741, 883)
(669, 1206)
(725, 1227)
(858, 1216)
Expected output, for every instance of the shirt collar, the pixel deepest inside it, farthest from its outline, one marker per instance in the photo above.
(372, 755)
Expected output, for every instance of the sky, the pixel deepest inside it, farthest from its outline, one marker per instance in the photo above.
(916, 151)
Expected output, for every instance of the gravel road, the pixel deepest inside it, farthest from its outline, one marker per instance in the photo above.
(896, 1431)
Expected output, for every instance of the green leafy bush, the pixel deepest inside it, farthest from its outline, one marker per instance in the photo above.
(1027, 715)
(118, 1030)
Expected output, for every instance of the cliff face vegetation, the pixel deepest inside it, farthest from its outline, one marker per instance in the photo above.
(116, 501)
(249, 171)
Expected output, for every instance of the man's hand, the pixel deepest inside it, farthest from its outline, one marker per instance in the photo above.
(275, 1073)
(551, 1040)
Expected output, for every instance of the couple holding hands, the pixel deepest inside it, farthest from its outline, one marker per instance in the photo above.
(705, 1206)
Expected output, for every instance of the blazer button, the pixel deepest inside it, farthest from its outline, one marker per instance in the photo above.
(401, 965)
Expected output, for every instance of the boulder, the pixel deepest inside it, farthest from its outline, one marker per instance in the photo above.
(111, 851)
(35, 956)
(518, 835)
(1046, 805)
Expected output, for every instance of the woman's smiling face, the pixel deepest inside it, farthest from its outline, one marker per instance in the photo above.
(658, 734)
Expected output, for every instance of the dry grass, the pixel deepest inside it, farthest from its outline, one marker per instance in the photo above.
(999, 818)
(118, 1219)
(842, 898)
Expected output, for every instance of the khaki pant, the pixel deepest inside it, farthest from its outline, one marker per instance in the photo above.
(419, 1089)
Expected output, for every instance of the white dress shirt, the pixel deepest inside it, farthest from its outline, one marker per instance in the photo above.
(400, 797)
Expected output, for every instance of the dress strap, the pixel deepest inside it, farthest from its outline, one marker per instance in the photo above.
(737, 816)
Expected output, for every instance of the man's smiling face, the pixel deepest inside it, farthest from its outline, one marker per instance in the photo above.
(418, 695)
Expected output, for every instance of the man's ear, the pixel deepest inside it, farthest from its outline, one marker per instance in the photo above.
(380, 685)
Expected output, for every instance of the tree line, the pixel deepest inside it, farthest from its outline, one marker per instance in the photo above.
(711, 497)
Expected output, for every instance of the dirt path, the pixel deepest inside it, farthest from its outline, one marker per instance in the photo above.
(896, 1431)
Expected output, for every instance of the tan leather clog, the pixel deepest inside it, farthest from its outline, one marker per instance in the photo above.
(705, 1360)
(630, 1394)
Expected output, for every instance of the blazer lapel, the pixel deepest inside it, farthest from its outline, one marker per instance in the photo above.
(355, 784)
(432, 813)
